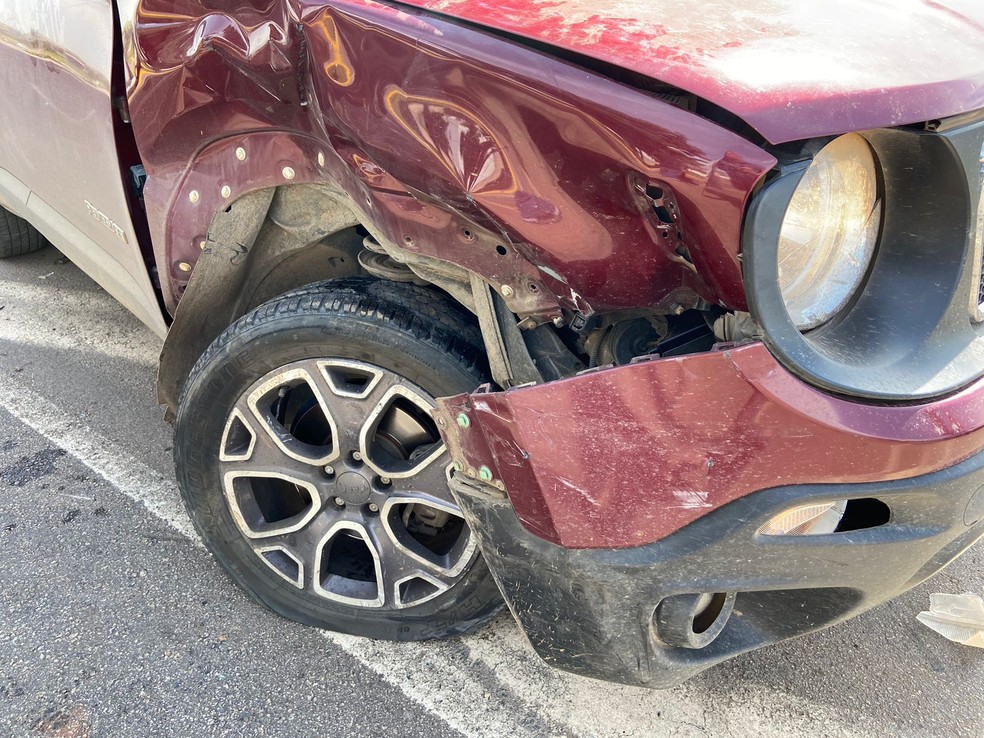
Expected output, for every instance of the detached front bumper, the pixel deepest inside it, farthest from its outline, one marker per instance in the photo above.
(611, 505)
(591, 612)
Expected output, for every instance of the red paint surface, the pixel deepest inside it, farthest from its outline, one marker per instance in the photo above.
(433, 128)
(627, 456)
(791, 69)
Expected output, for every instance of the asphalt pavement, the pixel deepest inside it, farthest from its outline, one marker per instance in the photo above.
(116, 622)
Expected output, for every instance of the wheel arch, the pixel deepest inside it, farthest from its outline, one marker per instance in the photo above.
(294, 214)
(263, 244)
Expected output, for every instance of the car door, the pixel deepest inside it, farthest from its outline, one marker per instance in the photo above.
(59, 165)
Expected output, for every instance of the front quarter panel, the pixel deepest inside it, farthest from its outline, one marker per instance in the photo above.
(435, 129)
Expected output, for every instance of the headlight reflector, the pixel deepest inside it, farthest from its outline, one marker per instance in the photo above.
(829, 233)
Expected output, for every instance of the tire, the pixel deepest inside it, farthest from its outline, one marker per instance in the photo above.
(17, 236)
(355, 529)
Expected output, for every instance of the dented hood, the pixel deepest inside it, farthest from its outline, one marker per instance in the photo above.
(792, 69)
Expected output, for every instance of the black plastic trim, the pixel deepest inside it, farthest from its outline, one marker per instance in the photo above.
(591, 611)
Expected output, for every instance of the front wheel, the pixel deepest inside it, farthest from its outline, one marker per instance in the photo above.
(310, 464)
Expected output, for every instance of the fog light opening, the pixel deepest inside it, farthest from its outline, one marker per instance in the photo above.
(692, 620)
(705, 618)
(822, 518)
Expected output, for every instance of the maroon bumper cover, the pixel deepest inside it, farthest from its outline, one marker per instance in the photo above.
(627, 456)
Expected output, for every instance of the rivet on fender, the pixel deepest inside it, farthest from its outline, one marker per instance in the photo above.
(485, 474)
(463, 420)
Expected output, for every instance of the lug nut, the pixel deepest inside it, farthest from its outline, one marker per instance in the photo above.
(356, 456)
(373, 507)
(340, 502)
(330, 471)
(384, 480)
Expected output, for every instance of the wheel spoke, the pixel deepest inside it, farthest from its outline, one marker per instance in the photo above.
(399, 438)
(353, 389)
(268, 402)
(407, 579)
(429, 482)
(265, 456)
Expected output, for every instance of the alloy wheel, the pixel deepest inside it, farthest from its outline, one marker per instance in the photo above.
(335, 474)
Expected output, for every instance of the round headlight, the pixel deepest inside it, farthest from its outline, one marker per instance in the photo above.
(830, 231)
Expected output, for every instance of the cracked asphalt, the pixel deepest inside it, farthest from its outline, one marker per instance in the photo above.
(115, 622)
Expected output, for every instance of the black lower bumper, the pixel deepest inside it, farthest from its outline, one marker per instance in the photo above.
(595, 612)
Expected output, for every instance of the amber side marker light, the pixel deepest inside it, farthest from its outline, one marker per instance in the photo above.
(806, 520)
(835, 516)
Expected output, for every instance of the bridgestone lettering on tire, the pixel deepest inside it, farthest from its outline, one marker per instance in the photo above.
(309, 462)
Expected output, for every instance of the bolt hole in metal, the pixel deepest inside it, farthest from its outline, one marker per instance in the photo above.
(501, 250)
(377, 525)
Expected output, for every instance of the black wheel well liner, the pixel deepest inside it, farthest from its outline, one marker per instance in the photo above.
(264, 244)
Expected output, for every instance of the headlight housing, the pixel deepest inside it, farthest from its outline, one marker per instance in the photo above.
(830, 231)
(892, 267)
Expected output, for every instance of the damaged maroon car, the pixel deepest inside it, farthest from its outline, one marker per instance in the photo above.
(663, 322)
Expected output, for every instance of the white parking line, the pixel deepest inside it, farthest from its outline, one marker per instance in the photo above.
(129, 476)
(456, 687)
